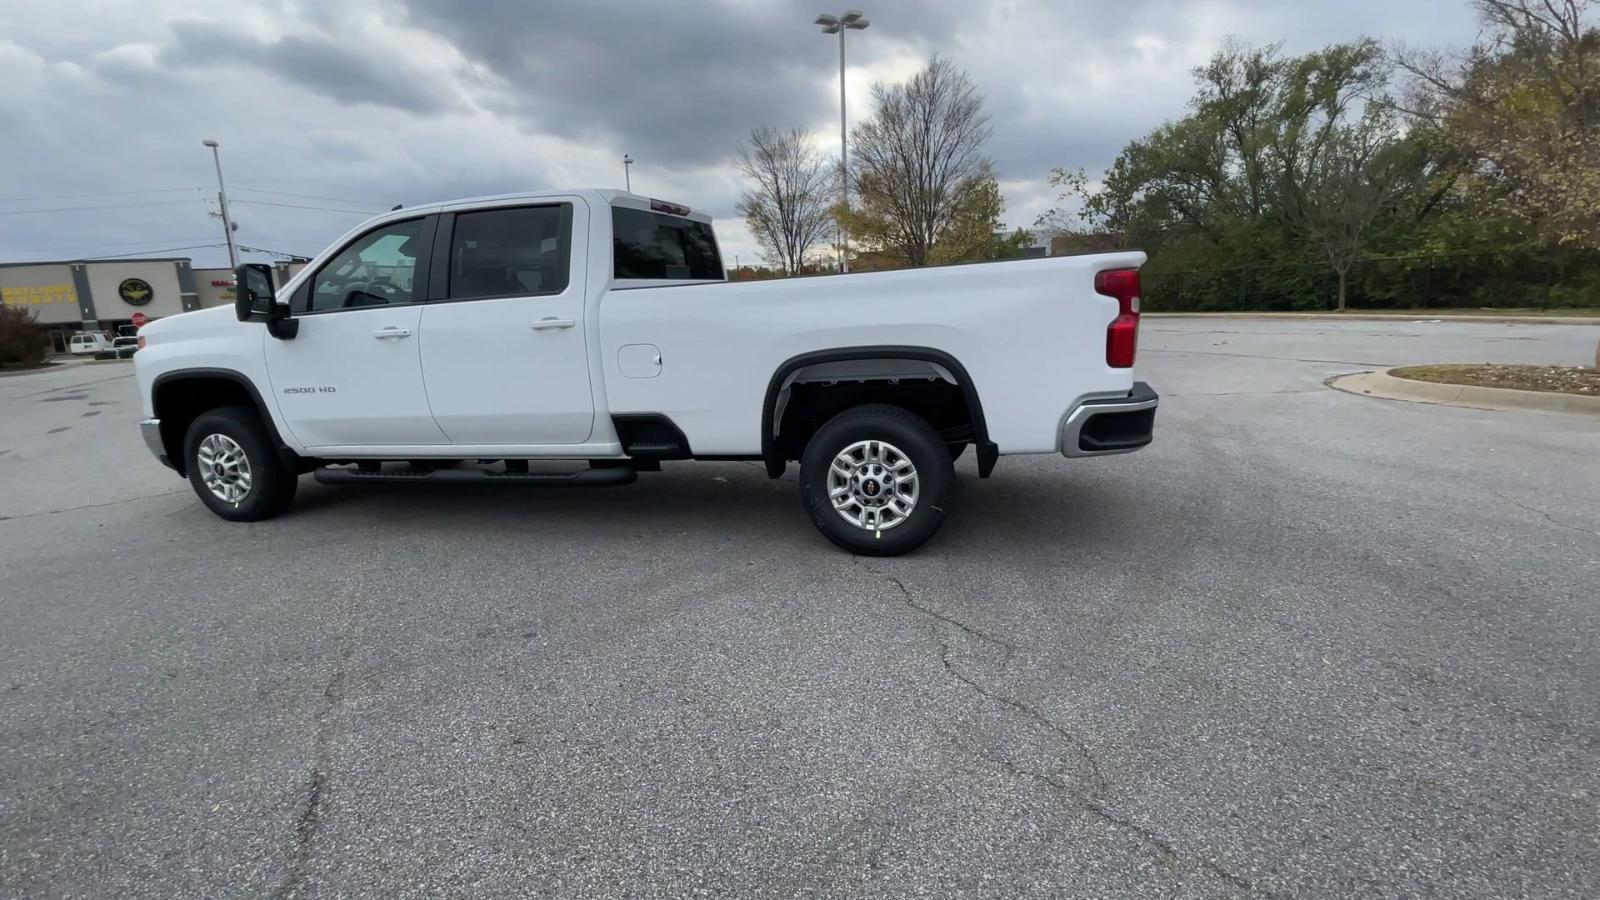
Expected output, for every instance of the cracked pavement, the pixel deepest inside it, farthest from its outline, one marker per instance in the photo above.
(1307, 644)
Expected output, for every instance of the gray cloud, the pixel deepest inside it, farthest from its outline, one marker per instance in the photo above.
(682, 83)
(412, 100)
(336, 69)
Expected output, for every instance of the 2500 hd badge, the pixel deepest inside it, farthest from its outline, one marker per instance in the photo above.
(326, 389)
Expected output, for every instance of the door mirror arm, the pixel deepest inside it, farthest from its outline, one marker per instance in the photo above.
(283, 327)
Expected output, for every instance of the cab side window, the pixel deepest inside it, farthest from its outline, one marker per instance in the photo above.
(378, 269)
(510, 252)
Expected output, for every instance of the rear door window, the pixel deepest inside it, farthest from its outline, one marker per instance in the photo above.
(510, 252)
(657, 245)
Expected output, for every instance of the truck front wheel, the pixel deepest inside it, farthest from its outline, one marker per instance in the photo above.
(233, 466)
(876, 480)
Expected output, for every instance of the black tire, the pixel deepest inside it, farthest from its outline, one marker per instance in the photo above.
(272, 483)
(914, 438)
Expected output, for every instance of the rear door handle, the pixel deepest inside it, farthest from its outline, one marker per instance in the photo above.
(391, 332)
(549, 322)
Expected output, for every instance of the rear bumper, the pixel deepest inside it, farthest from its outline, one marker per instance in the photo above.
(1112, 425)
(151, 429)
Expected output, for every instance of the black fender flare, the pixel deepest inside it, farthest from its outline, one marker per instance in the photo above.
(985, 449)
(205, 372)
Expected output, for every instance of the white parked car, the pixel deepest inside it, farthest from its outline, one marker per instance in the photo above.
(596, 326)
(89, 343)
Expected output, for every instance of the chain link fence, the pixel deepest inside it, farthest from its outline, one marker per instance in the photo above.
(1537, 279)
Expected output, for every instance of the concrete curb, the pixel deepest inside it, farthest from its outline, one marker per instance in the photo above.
(1376, 317)
(17, 373)
(1388, 387)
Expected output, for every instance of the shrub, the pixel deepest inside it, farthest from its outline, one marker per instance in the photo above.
(22, 341)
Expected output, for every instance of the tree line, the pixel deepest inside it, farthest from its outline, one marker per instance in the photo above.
(923, 192)
(1386, 175)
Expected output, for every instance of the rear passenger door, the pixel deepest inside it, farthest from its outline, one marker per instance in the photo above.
(504, 351)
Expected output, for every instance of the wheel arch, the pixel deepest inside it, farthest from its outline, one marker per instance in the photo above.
(178, 396)
(782, 379)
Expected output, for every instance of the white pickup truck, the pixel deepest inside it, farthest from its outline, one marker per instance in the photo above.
(459, 342)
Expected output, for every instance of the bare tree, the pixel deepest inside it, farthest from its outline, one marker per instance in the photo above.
(788, 209)
(917, 158)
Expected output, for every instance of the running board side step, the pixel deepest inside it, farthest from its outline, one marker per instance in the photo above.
(607, 477)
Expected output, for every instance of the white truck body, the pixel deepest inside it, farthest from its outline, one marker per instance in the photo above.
(557, 359)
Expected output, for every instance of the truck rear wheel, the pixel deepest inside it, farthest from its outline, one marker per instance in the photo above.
(876, 480)
(234, 467)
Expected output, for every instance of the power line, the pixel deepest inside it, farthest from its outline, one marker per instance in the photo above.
(97, 194)
(308, 196)
(81, 246)
(153, 250)
(61, 209)
(267, 250)
(365, 212)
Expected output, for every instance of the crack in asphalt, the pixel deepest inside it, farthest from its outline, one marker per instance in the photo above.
(911, 601)
(70, 387)
(309, 821)
(1087, 802)
(52, 512)
(1340, 362)
(1549, 518)
(1246, 393)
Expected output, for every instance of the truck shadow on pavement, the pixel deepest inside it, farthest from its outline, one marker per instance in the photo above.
(1013, 514)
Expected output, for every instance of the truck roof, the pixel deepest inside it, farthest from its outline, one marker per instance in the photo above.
(609, 196)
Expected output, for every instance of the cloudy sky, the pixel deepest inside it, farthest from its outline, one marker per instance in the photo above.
(353, 106)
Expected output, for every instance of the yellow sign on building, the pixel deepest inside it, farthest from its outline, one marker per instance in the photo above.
(38, 294)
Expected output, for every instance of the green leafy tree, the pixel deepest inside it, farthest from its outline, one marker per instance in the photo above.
(1282, 174)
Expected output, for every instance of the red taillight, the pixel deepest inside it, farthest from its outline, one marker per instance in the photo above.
(1122, 335)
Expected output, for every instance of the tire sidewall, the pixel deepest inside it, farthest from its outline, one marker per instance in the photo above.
(270, 483)
(917, 440)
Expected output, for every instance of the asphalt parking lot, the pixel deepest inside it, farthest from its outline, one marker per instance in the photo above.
(1307, 644)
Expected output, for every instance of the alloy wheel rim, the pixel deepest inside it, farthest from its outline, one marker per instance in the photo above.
(224, 468)
(873, 485)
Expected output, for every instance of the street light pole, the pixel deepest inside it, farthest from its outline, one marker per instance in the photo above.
(627, 171)
(831, 24)
(222, 200)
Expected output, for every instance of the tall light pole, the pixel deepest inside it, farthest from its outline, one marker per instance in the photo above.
(222, 200)
(627, 171)
(832, 24)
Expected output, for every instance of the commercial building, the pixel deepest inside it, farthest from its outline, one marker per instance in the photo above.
(103, 295)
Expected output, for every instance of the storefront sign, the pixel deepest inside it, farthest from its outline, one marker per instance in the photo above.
(38, 294)
(135, 291)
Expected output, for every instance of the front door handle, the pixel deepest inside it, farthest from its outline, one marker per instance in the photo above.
(549, 322)
(391, 332)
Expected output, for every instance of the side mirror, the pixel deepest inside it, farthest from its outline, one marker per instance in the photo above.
(255, 300)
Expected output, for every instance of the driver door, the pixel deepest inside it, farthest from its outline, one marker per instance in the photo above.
(352, 375)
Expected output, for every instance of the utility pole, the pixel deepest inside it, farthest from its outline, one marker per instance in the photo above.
(627, 172)
(832, 24)
(222, 200)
